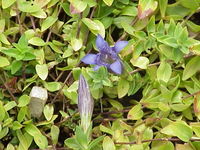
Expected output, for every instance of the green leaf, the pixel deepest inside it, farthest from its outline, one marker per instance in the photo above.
(168, 40)
(22, 113)
(7, 122)
(27, 6)
(55, 48)
(37, 41)
(179, 129)
(116, 104)
(25, 140)
(28, 56)
(16, 125)
(196, 128)
(108, 2)
(81, 137)
(95, 142)
(129, 11)
(163, 6)
(140, 62)
(90, 24)
(52, 86)
(185, 146)
(101, 30)
(72, 143)
(122, 88)
(2, 112)
(15, 66)
(4, 132)
(42, 71)
(4, 61)
(2, 25)
(7, 3)
(196, 106)
(13, 52)
(127, 27)
(39, 139)
(48, 22)
(151, 25)
(191, 67)
(164, 72)
(10, 147)
(10, 105)
(163, 146)
(76, 44)
(23, 100)
(135, 113)
(193, 4)
(3, 39)
(106, 130)
(79, 6)
(54, 134)
(108, 144)
(39, 14)
(145, 8)
(194, 27)
(48, 111)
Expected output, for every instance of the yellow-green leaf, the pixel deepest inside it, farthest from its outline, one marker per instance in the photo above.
(135, 113)
(4, 61)
(108, 2)
(108, 144)
(42, 71)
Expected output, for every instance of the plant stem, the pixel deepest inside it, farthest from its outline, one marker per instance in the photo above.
(160, 139)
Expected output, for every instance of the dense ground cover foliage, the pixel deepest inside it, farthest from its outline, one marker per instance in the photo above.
(139, 59)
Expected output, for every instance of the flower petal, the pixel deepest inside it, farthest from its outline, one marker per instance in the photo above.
(120, 45)
(96, 67)
(89, 59)
(101, 44)
(116, 67)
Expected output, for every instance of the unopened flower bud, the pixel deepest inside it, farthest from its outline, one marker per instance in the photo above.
(85, 103)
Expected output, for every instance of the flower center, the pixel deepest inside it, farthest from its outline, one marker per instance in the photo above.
(107, 58)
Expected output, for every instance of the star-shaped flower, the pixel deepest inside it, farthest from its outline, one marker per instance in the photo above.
(107, 56)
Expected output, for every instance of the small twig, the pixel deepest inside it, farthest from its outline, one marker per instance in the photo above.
(160, 139)
(52, 77)
(48, 36)
(92, 13)
(190, 95)
(62, 121)
(33, 23)
(114, 112)
(59, 76)
(8, 89)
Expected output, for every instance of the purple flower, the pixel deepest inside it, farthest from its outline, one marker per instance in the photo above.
(107, 56)
(85, 103)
